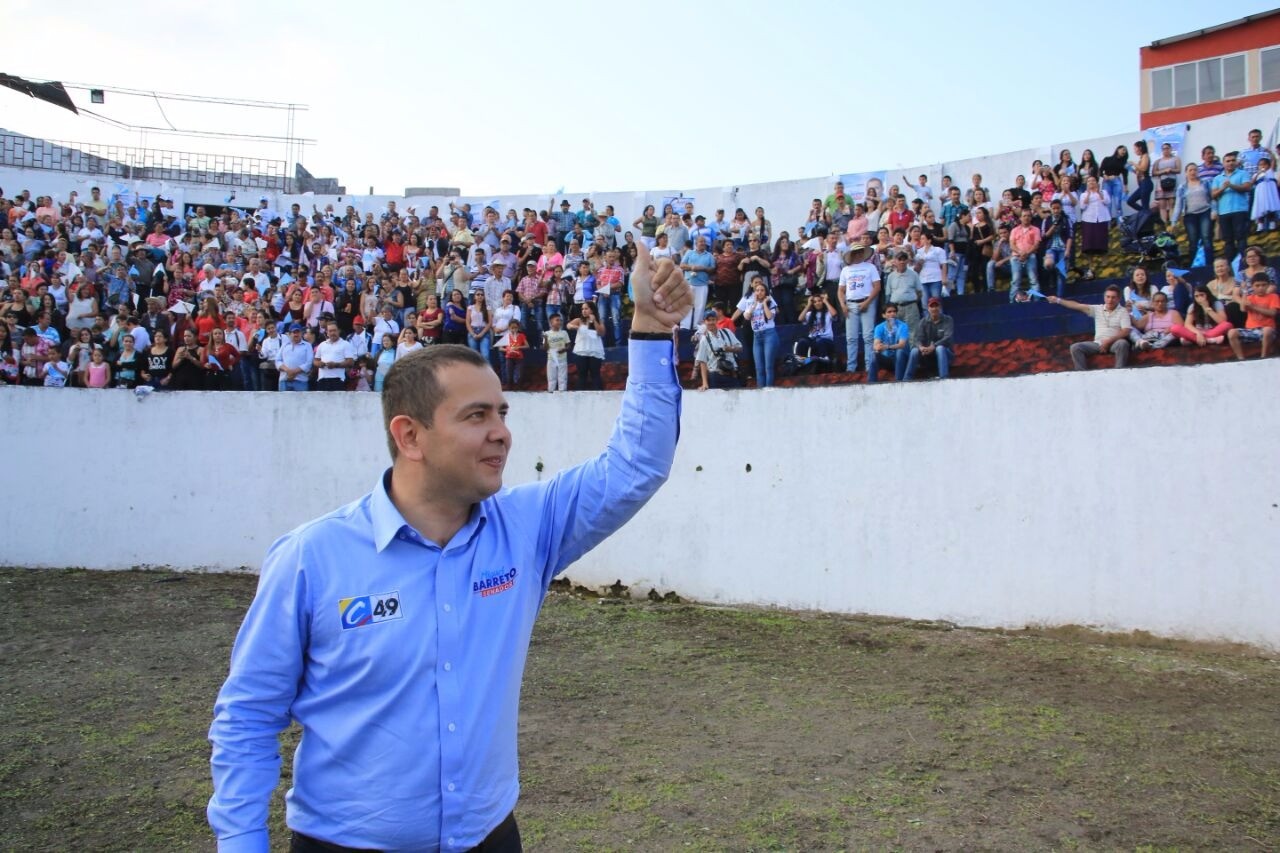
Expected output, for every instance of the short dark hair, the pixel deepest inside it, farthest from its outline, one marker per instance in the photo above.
(1111, 288)
(412, 386)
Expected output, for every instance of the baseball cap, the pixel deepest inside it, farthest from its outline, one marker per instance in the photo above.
(699, 218)
(933, 300)
(357, 320)
(295, 327)
(565, 203)
(708, 314)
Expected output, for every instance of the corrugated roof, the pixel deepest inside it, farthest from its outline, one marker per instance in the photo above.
(1247, 19)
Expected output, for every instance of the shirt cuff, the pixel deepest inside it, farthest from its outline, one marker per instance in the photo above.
(651, 363)
(249, 842)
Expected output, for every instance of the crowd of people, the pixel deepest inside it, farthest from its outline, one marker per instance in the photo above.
(101, 295)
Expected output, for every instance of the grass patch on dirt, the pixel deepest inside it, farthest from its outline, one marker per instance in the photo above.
(658, 726)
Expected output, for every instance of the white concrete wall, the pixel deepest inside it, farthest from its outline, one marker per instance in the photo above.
(1118, 499)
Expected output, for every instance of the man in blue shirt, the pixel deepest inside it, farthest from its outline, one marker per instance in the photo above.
(395, 629)
(889, 343)
(697, 264)
(1231, 191)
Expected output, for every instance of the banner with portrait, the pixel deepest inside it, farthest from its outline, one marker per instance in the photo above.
(1174, 134)
(856, 185)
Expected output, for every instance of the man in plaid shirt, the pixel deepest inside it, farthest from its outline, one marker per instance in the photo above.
(609, 283)
(564, 220)
(532, 298)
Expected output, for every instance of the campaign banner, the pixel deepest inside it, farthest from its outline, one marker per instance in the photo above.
(856, 185)
(1174, 134)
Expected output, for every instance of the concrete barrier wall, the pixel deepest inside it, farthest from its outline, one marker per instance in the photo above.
(1139, 499)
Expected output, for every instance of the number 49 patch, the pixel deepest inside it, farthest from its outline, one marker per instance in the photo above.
(362, 610)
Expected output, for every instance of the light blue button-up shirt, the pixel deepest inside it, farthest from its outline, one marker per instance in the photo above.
(401, 660)
(1236, 198)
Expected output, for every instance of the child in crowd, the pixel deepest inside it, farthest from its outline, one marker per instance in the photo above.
(1266, 198)
(55, 370)
(386, 358)
(365, 373)
(515, 343)
(556, 342)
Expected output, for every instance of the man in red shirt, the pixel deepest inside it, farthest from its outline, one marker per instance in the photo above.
(1260, 323)
(1023, 243)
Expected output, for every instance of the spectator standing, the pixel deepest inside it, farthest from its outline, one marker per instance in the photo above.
(1165, 170)
(333, 357)
(1231, 191)
(785, 277)
(760, 311)
(933, 339)
(903, 288)
(857, 294)
(1194, 209)
(295, 361)
(556, 342)
(1024, 242)
(1140, 198)
(1115, 177)
(588, 346)
(931, 263)
(698, 264)
(1266, 200)
(1251, 155)
(1111, 327)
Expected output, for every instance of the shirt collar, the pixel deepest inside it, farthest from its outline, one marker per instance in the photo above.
(388, 522)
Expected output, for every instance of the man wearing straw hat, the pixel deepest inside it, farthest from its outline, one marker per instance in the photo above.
(859, 289)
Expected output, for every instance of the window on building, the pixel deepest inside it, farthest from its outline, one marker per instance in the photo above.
(1162, 89)
(1271, 69)
(1184, 85)
(1206, 81)
(1233, 85)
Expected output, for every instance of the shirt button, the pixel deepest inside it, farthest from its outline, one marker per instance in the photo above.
(451, 842)
(447, 666)
(451, 787)
(664, 362)
(447, 608)
(452, 727)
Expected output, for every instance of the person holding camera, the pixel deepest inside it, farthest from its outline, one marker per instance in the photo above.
(717, 355)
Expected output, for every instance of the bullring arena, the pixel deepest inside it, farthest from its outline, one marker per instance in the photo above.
(1023, 607)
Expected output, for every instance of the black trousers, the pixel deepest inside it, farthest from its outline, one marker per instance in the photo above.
(331, 385)
(505, 838)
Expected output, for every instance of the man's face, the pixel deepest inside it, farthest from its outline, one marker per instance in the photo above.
(955, 195)
(465, 449)
(1255, 139)
(295, 335)
(701, 244)
(935, 312)
(891, 313)
(332, 331)
(1111, 299)
(1026, 217)
(1229, 163)
(900, 264)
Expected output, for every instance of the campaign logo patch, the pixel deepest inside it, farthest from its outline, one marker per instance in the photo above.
(493, 583)
(362, 610)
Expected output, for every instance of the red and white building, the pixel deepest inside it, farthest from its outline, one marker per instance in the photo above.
(1211, 71)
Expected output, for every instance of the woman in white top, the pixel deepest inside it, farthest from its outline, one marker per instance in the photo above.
(588, 347)
(83, 310)
(1068, 198)
(760, 309)
(479, 325)
(1165, 173)
(931, 264)
(408, 342)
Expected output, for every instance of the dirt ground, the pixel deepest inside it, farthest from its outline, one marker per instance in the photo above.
(660, 726)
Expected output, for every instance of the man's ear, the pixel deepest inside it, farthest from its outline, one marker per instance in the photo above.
(409, 435)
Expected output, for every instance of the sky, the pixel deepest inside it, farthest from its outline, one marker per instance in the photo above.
(515, 97)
